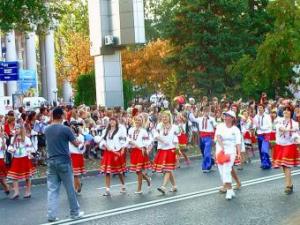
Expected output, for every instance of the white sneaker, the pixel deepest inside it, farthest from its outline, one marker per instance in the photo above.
(80, 215)
(229, 194)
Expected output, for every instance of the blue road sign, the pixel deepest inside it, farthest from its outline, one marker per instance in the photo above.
(9, 71)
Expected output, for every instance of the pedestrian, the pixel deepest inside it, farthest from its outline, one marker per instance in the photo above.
(139, 143)
(59, 168)
(3, 169)
(165, 159)
(113, 161)
(285, 153)
(77, 157)
(228, 138)
(207, 125)
(263, 124)
(21, 166)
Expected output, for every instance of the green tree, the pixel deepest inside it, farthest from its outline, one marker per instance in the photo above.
(271, 70)
(209, 36)
(86, 89)
(22, 14)
(128, 92)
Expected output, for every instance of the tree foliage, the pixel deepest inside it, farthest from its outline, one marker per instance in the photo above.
(145, 66)
(271, 70)
(86, 89)
(23, 15)
(208, 36)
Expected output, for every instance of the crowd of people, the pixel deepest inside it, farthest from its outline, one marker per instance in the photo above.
(153, 138)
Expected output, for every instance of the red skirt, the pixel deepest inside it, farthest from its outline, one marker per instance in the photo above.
(78, 164)
(3, 169)
(21, 168)
(138, 161)
(165, 160)
(183, 139)
(287, 156)
(112, 162)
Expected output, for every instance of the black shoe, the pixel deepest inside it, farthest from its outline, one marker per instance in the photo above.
(79, 190)
(51, 220)
(7, 192)
(289, 190)
(27, 196)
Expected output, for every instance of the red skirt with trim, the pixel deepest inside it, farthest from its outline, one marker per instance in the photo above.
(138, 161)
(287, 156)
(183, 139)
(112, 162)
(165, 160)
(3, 169)
(21, 168)
(78, 164)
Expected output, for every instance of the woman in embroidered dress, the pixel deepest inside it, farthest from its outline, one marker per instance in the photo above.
(183, 137)
(165, 159)
(21, 166)
(140, 144)
(3, 169)
(285, 152)
(113, 141)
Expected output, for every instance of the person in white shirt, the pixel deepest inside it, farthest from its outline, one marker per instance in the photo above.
(228, 141)
(3, 169)
(21, 166)
(114, 141)
(77, 157)
(139, 145)
(263, 124)
(165, 160)
(207, 125)
(285, 153)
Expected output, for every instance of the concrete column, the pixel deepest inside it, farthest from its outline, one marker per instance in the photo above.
(11, 55)
(30, 55)
(1, 82)
(50, 67)
(67, 91)
(43, 66)
(109, 83)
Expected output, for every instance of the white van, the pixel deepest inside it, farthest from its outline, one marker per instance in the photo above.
(32, 103)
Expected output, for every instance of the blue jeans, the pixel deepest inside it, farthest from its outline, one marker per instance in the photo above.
(58, 173)
(205, 147)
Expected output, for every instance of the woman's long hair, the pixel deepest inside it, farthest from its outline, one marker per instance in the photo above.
(109, 128)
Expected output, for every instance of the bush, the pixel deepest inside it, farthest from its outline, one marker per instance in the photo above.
(86, 89)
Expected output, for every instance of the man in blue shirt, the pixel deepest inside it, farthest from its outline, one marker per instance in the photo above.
(60, 171)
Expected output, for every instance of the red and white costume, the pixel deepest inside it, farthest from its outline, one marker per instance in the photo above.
(246, 126)
(3, 169)
(77, 156)
(165, 159)
(183, 135)
(207, 125)
(21, 166)
(139, 160)
(113, 161)
(263, 125)
(285, 151)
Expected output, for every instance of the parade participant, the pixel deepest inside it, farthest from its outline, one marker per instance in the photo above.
(113, 141)
(194, 128)
(228, 142)
(246, 124)
(207, 126)
(59, 168)
(285, 153)
(263, 125)
(183, 136)
(21, 166)
(77, 157)
(140, 145)
(165, 159)
(3, 169)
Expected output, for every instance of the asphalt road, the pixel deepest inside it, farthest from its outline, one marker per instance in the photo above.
(260, 201)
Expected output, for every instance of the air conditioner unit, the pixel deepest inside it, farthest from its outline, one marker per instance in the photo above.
(109, 40)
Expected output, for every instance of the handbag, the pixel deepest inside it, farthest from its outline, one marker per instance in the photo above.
(222, 158)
